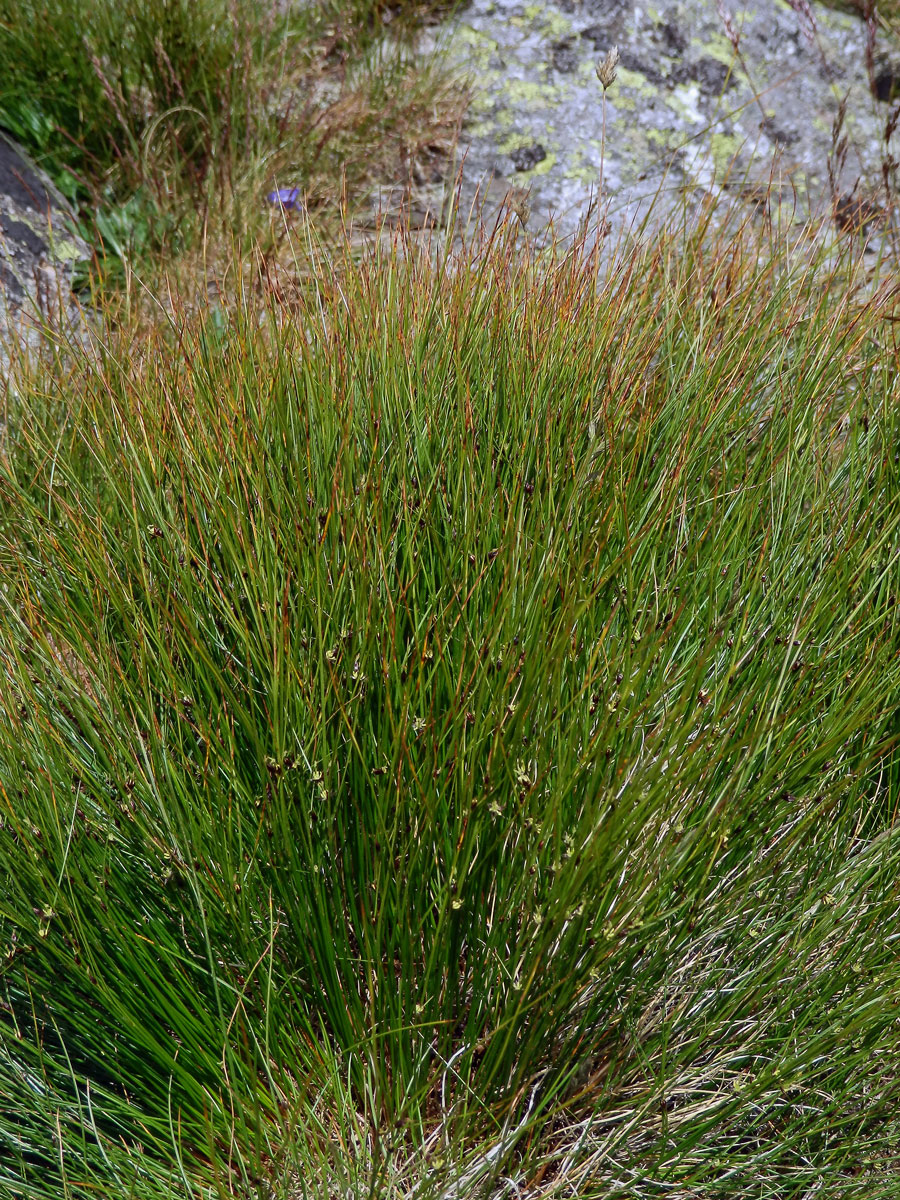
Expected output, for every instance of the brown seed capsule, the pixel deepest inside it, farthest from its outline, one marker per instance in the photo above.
(520, 203)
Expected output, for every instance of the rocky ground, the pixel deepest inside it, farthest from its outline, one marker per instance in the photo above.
(786, 108)
(789, 113)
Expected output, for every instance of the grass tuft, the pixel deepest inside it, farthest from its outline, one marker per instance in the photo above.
(449, 736)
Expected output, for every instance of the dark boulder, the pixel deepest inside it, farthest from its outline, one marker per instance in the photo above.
(39, 251)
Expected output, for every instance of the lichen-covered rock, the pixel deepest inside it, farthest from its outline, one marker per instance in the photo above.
(38, 252)
(687, 113)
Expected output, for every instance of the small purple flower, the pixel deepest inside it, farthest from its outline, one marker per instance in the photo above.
(286, 197)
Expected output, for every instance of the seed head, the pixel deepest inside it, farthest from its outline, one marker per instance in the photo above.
(606, 68)
(806, 19)
(728, 25)
(519, 200)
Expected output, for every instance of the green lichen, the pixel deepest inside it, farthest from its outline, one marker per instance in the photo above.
(552, 24)
(524, 93)
(504, 119)
(62, 248)
(480, 48)
(540, 168)
(684, 101)
(66, 249)
(580, 168)
(660, 138)
(725, 149)
(624, 102)
(516, 141)
(478, 129)
(718, 46)
(635, 81)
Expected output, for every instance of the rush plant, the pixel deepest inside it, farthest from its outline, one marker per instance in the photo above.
(449, 737)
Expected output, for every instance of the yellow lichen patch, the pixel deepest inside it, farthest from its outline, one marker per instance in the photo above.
(530, 95)
(718, 46)
(541, 168)
(635, 81)
(725, 149)
(67, 250)
(550, 23)
(581, 168)
(480, 48)
(685, 101)
(659, 137)
(515, 141)
(504, 119)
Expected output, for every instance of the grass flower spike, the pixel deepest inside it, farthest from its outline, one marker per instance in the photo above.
(606, 73)
(606, 68)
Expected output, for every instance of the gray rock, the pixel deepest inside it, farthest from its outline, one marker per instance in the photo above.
(38, 253)
(686, 115)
